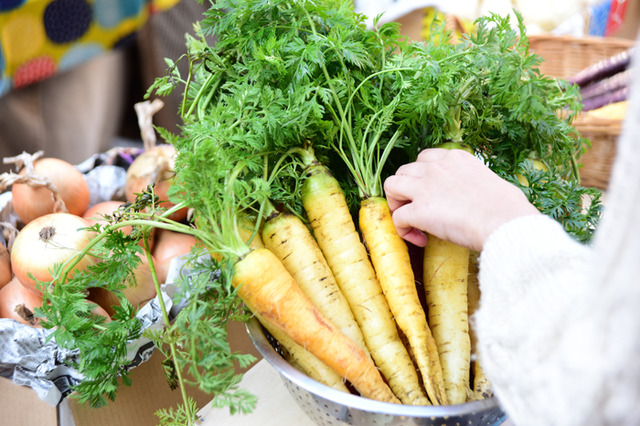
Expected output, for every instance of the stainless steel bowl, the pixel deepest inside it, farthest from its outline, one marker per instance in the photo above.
(327, 406)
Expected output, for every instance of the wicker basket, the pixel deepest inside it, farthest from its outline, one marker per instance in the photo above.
(564, 56)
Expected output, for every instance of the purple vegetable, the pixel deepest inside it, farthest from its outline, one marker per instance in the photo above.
(607, 85)
(606, 99)
(603, 68)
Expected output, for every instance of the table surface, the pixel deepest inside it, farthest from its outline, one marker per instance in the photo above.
(275, 405)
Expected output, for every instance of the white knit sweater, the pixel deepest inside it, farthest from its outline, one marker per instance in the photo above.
(559, 322)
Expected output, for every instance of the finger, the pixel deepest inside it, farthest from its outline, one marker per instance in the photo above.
(398, 190)
(432, 155)
(415, 169)
(395, 204)
(406, 221)
(416, 237)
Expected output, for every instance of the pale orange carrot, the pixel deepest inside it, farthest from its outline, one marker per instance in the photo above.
(291, 241)
(347, 257)
(304, 360)
(390, 258)
(446, 267)
(267, 289)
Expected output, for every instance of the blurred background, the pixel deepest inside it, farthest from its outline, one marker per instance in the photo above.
(71, 70)
(574, 17)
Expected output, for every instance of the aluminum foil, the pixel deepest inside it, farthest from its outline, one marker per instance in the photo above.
(29, 358)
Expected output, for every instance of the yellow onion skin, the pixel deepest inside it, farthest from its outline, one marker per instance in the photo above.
(31, 202)
(18, 303)
(46, 241)
(170, 244)
(154, 166)
(137, 294)
(6, 273)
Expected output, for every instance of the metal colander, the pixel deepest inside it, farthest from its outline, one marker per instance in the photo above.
(327, 406)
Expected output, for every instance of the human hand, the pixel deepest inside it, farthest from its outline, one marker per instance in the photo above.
(453, 195)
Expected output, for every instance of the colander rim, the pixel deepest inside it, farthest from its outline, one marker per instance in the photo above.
(259, 339)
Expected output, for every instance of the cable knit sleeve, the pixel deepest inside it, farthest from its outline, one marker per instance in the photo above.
(559, 322)
(531, 273)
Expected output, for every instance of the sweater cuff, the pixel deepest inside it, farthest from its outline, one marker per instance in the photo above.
(527, 246)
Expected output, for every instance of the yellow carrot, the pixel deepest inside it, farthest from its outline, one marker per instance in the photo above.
(291, 241)
(481, 387)
(245, 229)
(347, 257)
(390, 258)
(267, 289)
(304, 360)
(446, 268)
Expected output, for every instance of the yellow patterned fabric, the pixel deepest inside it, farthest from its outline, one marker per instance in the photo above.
(39, 38)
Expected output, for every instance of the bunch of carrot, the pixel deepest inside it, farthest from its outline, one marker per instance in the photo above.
(342, 300)
(291, 122)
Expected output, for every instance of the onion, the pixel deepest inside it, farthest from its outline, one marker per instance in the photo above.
(138, 294)
(153, 166)
(18, 303)
(46, 241)
(30, 202)
(99, 311)
(5, 266)
(95, 214)
(170, 244)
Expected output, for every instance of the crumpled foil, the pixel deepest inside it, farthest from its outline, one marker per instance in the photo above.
(29, 358)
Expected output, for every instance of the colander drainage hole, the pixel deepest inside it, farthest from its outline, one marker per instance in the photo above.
(329, 420)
